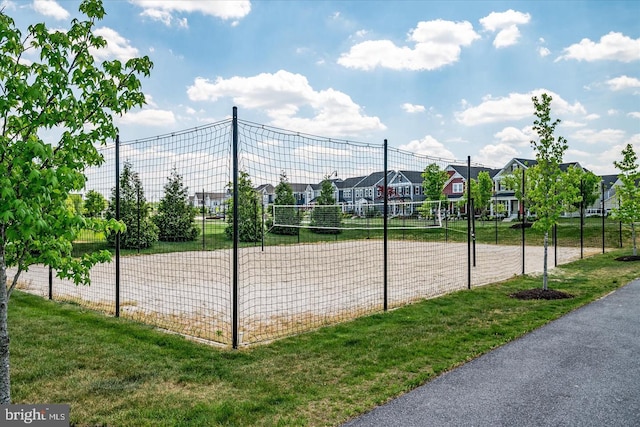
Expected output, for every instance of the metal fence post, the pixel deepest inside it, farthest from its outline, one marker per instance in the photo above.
(234, 326)
(118, 219)
(603, 216)
(203, 222)
(386, 229)
(524, 219)
(581, 219)
(50, 283)
(468, 222)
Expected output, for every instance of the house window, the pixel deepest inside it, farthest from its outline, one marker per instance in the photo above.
(417, 190)
(457, 187)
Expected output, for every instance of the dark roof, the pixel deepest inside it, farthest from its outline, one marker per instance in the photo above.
(475, 170)
(268, 187)
(298, 188)
(609, 180)
(415, 177)
(350, 182)
(374, 178)
(198, 195)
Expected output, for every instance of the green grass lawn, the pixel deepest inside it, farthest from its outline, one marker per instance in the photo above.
(119, 373)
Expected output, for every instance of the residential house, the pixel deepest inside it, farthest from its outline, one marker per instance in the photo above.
(506, 196)
(610, 182)
(213, 202)
(267, 192)
(456, 185)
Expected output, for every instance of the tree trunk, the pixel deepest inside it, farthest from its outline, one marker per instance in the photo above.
(5, 384)
(633, 239)
(546, 251)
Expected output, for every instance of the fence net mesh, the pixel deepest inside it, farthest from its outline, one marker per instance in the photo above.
(311, 225)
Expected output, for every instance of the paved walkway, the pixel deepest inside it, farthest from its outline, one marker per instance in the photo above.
(580, 370)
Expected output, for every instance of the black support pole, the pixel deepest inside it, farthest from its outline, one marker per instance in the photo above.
(50, 282)
(524, 219)
(234, 325)
(469, 222)
(118, 219)
(581, 219)
(473, 231)
(385, 261)
(603, 215)
(203, 223)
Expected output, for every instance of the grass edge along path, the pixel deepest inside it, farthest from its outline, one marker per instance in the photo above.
(115, 372)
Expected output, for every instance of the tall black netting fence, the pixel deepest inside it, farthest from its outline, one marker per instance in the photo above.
(240, 233)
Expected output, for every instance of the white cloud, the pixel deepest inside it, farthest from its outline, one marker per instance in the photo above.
(50, 8)
(603, 162)
(412, 108)
(514, 136)
(282, 95)
(634, 114)
(516, 106)
(590, 136)
(543, 51)
(623, 82)
(496, 155)
(165, 17)
(163, 10)
(437, 43)
(148, 99)
(613, 47)
(428, 146)
(572, 124)
(117, 46)
(506, 24)
(149, 117)
(507, 37)
(612, 112)
(591, 117)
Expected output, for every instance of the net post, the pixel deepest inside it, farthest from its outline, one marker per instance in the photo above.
(581, 219)
(473, 231)
(118, 219)
(468, 222)
(386, 228)
(524, 219)
(203, 223)
(234, 268)
(603, 213)
(50, 283)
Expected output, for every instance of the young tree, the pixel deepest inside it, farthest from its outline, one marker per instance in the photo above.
(175, 218)
(433, 182)
(285, 212)
(59, 86)
(549, 191)
(587, 184)
(628, 193)
(249, 211)
(141, 232)
(94, 204)
(481, 192)
(325, 216)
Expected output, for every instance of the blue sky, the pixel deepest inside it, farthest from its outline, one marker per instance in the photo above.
(447, 79)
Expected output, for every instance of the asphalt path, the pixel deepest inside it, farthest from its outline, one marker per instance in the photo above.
(580, 370)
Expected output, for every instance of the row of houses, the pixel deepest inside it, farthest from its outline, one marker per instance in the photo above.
(357, 194)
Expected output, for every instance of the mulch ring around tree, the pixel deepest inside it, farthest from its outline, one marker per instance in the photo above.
(539, 293)
(628, 258)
